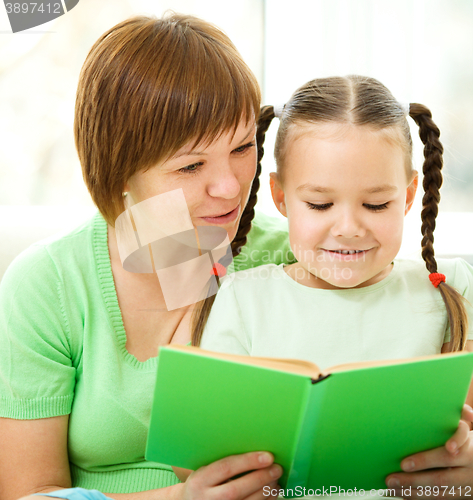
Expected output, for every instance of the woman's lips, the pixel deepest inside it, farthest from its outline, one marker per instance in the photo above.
(223, 219)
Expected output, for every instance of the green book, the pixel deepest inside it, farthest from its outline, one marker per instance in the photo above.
(348, 427)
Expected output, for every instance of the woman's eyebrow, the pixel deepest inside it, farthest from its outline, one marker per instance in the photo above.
(188, 153)
(251, 132)
(199, 153)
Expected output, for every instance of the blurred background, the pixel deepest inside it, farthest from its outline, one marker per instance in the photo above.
(422, 50)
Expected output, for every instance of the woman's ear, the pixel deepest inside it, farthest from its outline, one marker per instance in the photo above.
(411, 191)
(277, 193)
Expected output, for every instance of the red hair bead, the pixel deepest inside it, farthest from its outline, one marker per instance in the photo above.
(436, 279)
(218, 270)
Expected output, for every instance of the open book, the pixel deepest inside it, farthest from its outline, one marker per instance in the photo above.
(347, 427)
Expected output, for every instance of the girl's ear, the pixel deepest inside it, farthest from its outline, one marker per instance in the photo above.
(411, 191)
(277, 193)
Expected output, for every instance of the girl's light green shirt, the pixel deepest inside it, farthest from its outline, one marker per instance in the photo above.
(264, 312)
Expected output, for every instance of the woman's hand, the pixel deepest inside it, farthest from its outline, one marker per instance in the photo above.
(442, 472)
(214, 481)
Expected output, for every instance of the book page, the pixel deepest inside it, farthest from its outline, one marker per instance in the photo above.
(296, 366)
(368, 364)
(299, 366)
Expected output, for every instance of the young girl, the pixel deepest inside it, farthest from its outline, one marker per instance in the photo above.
(345, 182)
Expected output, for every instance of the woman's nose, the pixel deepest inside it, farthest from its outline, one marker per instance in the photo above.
(224, 183)
(348, 224)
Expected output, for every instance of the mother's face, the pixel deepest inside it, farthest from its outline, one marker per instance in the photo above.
(216, 178)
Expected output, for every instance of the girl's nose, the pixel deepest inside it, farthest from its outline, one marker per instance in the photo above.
(224, 183)
(348, 224)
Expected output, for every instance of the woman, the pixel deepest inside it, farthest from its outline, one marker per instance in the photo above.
(162, 105)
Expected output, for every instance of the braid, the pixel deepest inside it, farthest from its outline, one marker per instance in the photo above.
(202, 311)
(264, 120)
(433, 150)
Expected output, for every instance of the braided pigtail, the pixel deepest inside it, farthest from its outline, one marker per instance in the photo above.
(202, 310)
(433, 150)
(264, 120)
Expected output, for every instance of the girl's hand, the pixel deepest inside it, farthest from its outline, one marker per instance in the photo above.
(442, 472)
(213, 482)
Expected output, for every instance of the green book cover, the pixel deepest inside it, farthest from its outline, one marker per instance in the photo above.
(349, 429)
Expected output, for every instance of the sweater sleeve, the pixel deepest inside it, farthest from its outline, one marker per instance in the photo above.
(36, 373)
(225, 330)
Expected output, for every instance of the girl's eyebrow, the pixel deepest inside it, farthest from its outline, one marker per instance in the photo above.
(321, 189)
(381, 189)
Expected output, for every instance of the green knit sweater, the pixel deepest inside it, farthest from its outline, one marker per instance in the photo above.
(62, 351)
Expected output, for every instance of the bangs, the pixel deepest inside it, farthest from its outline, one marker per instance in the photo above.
(200, 89)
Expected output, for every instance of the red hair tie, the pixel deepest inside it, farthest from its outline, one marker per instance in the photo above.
(436, 279)
(218, 270)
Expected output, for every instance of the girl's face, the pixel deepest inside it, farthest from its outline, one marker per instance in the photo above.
(345, 195)
(216, 178)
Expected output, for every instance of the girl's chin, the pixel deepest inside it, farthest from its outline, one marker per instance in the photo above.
(328, 278)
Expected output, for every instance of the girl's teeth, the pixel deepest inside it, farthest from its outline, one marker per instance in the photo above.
(348, 252)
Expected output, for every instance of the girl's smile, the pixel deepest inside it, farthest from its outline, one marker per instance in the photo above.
(345, 191)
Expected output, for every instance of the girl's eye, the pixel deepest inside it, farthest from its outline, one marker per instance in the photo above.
(323, 206)
(376, 208)
(244, 148)
(190, 169)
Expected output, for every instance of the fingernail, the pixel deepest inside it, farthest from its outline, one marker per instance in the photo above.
(275, 471)
(394, 482)
(453, 447)
(264, 458)
(408, 465)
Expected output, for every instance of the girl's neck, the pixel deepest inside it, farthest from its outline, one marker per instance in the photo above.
(301, 275)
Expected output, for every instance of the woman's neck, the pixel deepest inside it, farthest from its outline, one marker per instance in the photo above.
(147, 322)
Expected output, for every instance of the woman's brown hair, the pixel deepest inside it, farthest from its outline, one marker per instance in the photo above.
(148, 87)
(366, 102)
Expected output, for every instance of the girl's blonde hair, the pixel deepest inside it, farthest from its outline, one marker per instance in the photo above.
(148, 87)
(366, 102)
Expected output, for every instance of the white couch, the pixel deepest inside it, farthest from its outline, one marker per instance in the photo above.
(20, 226)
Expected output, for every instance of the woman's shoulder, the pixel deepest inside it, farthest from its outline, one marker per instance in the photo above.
(45, 291)
(267, 242)
(267, 231)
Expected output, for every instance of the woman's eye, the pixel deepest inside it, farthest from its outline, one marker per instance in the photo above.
(376, 208)
(244, 148)
(190, 169)
(321, 207)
